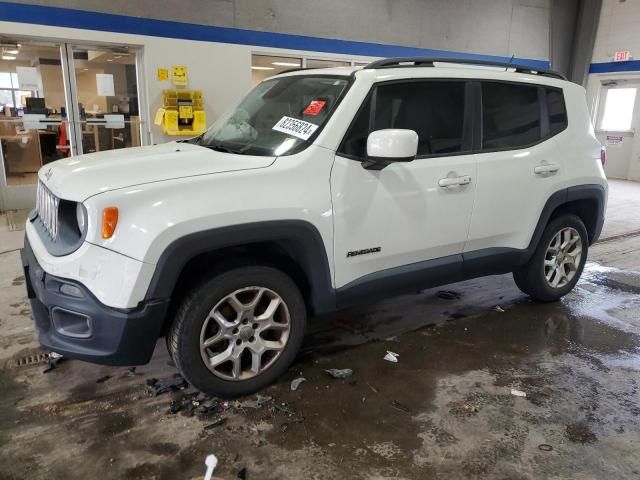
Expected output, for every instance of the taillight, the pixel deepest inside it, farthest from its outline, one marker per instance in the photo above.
(603, 155)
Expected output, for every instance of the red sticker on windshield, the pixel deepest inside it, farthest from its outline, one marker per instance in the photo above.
(314, 107)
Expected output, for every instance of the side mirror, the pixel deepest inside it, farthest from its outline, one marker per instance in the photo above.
(390, 145)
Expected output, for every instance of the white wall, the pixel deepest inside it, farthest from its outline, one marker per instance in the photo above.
(492, 27)
(619, 29)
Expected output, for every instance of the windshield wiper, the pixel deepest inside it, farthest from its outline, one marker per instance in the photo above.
(218, 147)
(195, 140)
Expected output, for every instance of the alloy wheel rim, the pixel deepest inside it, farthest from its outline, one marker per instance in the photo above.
(562, 258)
(245, 333)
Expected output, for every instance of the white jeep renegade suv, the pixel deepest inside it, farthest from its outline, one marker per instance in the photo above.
(322, 189)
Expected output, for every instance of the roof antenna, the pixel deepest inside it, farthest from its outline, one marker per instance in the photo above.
(510, 62)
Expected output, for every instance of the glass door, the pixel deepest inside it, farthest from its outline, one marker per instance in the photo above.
(106, 112)
(58, 100)
(33, 118)
(617, 123)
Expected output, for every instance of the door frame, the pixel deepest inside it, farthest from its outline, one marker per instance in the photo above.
(632, 134)
(13, 197)
(75, 120)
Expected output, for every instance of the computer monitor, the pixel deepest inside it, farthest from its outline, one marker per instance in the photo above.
(35, 105)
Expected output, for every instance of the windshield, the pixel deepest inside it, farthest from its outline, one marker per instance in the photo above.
(278, 117)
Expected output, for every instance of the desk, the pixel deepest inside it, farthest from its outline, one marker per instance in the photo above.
(97, 138)
(21, 153)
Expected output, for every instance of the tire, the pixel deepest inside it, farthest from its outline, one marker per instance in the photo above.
(532, 278)
(169, 342)
(242, 300)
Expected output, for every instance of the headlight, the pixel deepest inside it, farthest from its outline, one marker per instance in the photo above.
(81, 217)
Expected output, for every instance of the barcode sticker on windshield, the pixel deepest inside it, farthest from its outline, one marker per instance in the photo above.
(295, 127)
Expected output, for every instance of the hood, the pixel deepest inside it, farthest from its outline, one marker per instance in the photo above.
(78, 178)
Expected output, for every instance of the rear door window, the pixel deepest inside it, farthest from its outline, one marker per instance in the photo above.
(510, 116)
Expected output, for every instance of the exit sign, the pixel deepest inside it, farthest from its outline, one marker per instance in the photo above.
(622, 56)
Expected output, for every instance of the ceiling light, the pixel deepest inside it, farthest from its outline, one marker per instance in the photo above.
(261, 68)
(286, 64)
(12, 57)
(13, 51)
(109, 59)
(117, 56)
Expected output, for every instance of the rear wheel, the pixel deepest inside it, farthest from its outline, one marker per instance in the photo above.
(558, 261)
(238, 331)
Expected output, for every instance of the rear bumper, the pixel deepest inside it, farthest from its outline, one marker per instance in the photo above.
(597, 229)
(74, 323)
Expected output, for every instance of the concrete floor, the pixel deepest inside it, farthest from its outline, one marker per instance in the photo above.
(445, 410)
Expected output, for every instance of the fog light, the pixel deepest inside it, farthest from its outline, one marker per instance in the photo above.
(71, 324)
(71, 290)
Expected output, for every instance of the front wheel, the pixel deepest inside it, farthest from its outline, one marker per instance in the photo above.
(238, 331)
(558, 261)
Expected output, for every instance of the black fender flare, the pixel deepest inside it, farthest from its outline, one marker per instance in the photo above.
(579, 192)
(500, 260)
(301, 240)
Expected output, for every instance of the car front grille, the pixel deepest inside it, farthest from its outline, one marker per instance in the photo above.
(47, 208)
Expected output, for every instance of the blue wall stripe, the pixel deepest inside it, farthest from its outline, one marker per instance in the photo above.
(65, 17)
(608, 67)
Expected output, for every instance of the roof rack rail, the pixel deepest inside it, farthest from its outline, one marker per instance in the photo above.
(297, 69)
(429, 62)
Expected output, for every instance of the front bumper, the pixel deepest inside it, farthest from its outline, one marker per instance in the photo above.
(72, 322)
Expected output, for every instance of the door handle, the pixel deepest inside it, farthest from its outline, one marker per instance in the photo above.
(547, 169)
(454, 181)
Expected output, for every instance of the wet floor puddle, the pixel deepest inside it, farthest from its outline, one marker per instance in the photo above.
(464, 346)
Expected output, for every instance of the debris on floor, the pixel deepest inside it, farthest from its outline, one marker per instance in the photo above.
(158, 387)
(339, 373)
(207, 407)
(259, 402)
(518, 393)
(103, 379)
(283, 408)
(462, 407)
(399, 406)
(218, 423)
(545, 447)
(448, 295)
(53, 361)
(499, 309)
(391, 357)
(211, 462)
(295, 384)
(174, 407)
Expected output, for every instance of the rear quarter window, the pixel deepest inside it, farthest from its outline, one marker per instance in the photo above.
(556, 110)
